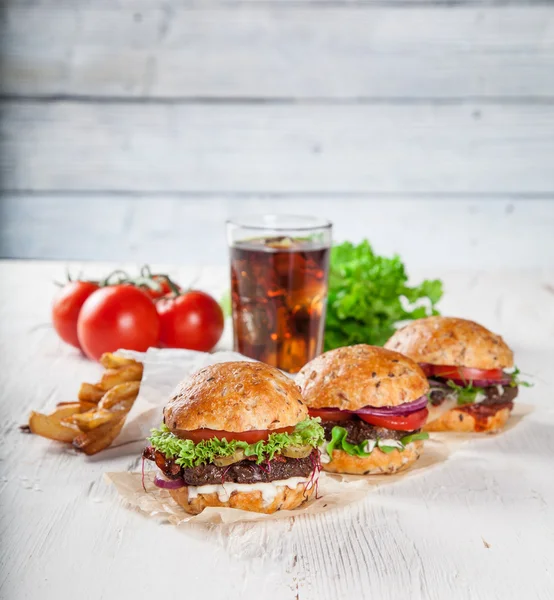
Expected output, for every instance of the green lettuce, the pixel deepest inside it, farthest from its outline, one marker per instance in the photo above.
(188, 454)
(368, 296)
(365, 448)
(465, 394)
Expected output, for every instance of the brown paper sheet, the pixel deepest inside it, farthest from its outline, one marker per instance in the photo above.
(334, 492)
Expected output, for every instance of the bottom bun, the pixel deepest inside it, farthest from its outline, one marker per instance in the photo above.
(282, 498)
(377, 463)
(460, 420)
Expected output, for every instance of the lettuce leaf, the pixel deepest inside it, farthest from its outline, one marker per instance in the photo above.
(369, 295)
(188, 454)
(338, 442)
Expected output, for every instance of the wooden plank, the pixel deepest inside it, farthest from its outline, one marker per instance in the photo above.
(260, 51)
(442, 148)
(426, 232)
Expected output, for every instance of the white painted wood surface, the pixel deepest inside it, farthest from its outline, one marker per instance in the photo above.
(275, 50)
(480, 527)
(243, 148)
(426, 232)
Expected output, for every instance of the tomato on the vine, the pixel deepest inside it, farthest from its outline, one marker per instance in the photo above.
(163, 287)
(250, 437)
(117, 316)
(410, 422)
(192, 320)
(66, 307)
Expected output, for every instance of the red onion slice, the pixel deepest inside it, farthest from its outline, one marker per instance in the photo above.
(168, 484)
(387, 411)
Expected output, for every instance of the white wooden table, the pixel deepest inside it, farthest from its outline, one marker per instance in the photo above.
(479, 526)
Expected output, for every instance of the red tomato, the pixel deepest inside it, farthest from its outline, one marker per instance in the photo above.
(117, 316)
(427, 369)
(66, 308)
(415, 420)
(466, 373)
(328, 414)
(164, 287)
(250, 437)
(193, 320)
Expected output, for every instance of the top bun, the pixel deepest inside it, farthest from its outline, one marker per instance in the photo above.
(352, 377)
(451, 341)
(235, 396)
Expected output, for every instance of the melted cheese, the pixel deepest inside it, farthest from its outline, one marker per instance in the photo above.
(268, 489)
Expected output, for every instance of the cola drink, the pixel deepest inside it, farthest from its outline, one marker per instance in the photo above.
(279, 292)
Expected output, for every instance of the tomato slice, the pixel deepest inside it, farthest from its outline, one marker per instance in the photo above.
(415, 420)
(426, 368)
(250, 437)
(330, 414)
(466, 373)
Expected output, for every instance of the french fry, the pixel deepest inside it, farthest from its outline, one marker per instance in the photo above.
(112, 361)
(91, 419)
(89, 392)
(83, 406)
(96, 440)
(94, 422)
(120, 398)
(67, 408)
(113, 377)
(51, 426)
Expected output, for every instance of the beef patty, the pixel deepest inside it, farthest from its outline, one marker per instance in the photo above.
(245, 471)
(440, 390)
(360, 431)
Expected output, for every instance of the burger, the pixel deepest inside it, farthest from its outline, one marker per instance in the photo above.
(470, 389)
(236, 434)
(372, 405)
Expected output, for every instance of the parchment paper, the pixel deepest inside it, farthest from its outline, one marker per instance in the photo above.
(333, 492)
(164, 369)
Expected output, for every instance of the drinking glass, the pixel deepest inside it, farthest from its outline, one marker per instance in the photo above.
(279, 272)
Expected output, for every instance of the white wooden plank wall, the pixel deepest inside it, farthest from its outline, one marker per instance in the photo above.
(146, 110)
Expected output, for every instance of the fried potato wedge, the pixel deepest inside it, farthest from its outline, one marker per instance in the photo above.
(120, 398)
(66, 409)
(89, 392)
(98, 439)
(92, 419)
(112, 361)
(83, 406)
(113, 377)
(51, 427)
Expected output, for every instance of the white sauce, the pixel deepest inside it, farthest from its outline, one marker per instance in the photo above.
(435, 412)
(391, 443)
(369, 446)
(500, 390)
(268, 489)
(325, 458)
(479, 396)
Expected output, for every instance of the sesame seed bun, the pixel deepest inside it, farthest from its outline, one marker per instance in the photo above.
(235, 396)
(452, 341)
(352, 377)
(377, 463)
(285, 499)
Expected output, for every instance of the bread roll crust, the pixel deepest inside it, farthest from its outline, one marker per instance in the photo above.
(459, 420)
(285, 499)
(235, 396)
(452, 341)
(377, 463)
(352, 377)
